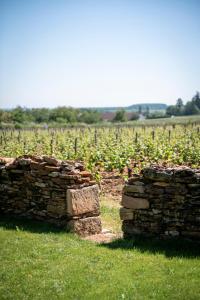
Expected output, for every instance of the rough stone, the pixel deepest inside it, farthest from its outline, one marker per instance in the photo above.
(84, 227)
(156, 211)
(54, 174)
(134, 179)
(172, 233)
(37, 166)
(134, 189)
(56, 209)
(157, 174)
(40, 184)
(139, 183)
(6, 160)
(161, 184)
(85, 174)
(51, 168)
(51, 160)
(83, 201)
(126, 213)
(134, 203)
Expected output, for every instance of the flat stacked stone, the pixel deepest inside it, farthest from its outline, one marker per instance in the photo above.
(45, 188)
(162, 202)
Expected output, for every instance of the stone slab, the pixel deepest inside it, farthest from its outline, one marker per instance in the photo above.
(134, 203)
(83, 201)
(84, 227)
(51, 160)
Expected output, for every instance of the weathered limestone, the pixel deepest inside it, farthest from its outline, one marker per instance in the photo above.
(83, 201)
(44, 188)
(87, 226)
(162, 202)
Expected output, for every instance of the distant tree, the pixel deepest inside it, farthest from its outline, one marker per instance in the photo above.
(176, 110)
(134, 116)
(139, 109)
(171, 110)
(191, 108)
(63, 114)
(5, 116)
(19, 115)
(120, 116)
(179, 107)
(179, 103)
(147, 111)
(196, 99)
(89, 116)
(40, 115)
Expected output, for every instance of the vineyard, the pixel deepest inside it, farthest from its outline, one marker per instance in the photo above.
(109, 148)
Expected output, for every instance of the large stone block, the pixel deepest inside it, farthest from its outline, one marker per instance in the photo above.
(83, 201)
(135, 178)
(51, 160)
(84, 227)
(157, 174)
(134, 203)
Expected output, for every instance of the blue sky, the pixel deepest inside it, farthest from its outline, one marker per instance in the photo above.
(98, 53)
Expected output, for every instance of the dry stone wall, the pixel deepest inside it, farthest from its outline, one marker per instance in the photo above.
(162, 202)
(50, 190)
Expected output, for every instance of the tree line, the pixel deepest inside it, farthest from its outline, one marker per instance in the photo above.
(59, 115)
(190, 108)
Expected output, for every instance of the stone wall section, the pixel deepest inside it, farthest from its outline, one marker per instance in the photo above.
(50, 190)
(162, 202)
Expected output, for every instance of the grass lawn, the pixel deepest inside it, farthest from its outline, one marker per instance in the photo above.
(110, 215)
(39, 262)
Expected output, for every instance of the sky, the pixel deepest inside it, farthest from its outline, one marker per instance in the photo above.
(98, 53)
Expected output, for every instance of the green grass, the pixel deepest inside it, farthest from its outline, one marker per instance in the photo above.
(110, 215)
(40, 262)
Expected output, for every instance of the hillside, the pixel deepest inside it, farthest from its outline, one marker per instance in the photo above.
(152, 106)
(133, 107)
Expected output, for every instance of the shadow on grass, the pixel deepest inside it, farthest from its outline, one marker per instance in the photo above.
(170, 248)
(13, 223)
